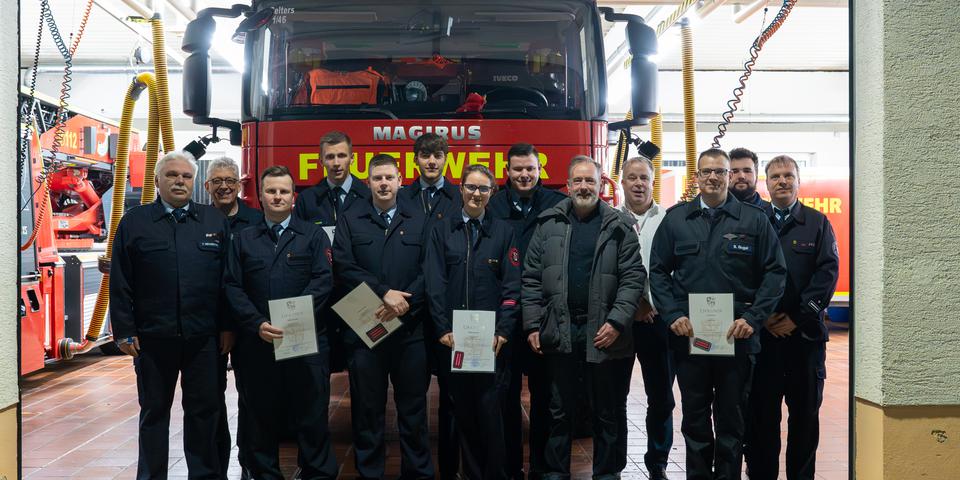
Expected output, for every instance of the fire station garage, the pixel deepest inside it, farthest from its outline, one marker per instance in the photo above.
(772, 294)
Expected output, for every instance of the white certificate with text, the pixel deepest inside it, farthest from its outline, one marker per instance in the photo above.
(473, 334)
(711, 315)
(359, 310)
(295, 317)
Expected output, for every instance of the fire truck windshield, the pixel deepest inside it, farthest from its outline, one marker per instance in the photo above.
(537, 59)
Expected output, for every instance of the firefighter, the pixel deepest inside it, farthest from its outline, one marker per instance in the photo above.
(222, 184)
(715, 244)
(438, 198)
(744, 166)
(278, 258)
(582, 278)
(380, 242)
(473, 264)
(650, 334)
(521, 200)
(322, 203)
(167, 312)
(791, 364)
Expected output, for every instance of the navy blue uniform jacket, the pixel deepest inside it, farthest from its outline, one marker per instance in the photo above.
(810, 250)
(165, 277)
(258, 272)
(315, 205)
(485, 277)
(366, 250)
(447, 201)
(739, 255)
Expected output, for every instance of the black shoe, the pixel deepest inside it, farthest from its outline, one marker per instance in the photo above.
(245, 474)
(658, 473)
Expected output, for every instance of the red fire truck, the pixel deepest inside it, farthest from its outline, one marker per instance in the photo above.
(482, 73)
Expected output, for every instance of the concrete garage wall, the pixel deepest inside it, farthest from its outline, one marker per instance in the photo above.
(9, 393)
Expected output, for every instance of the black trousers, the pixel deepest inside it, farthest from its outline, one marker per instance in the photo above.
(793, 369)
(401, 362)
(269, 389)
(160, 363)
(477, 399)
(656, 364)
(448, 438)
(511, 411)
(223, 428)
(607, 385)
(714, 388)
(538, 384)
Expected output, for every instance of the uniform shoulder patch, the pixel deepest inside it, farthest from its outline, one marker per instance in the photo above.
(514, 255)
(329, 252)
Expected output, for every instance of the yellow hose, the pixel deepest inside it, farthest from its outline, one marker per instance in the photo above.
(656, 136)
(689, 116)
(149, 191)
(163, 91)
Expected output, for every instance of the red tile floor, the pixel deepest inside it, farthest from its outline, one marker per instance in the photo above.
(80, 421)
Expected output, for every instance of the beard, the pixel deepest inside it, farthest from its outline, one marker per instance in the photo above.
(584, 202)
(743, 194)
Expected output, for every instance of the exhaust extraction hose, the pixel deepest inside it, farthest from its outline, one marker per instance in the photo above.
(689, 113)
(656, 136)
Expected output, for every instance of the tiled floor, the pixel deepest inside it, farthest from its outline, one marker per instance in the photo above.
(80, 421)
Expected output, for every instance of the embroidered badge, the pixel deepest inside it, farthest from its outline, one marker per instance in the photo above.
(514, 255)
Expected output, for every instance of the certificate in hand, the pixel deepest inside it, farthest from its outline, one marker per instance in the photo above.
(473, 333)
(711, 315)
(359, 310)
(295, 317)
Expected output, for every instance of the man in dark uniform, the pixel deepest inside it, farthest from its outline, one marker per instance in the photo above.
(792, 359)
(167, 312)
(522, 199)
(322, 203)
(380, 243)
(281, 257)
(744, 166)
(582, 279)
(473, 264)
(715, 244)
(437, 198)
(222, 184)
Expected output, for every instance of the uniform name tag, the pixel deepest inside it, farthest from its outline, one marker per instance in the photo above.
(209, 244)
(741, 248)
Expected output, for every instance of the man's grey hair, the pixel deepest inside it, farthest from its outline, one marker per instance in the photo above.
(577, 160)
(185, 156)
(223, 162)
(632, 160)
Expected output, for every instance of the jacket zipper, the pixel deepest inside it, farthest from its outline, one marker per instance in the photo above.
(466, 283)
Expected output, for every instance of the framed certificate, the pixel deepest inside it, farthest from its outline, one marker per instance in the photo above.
(711, 315)
(295, 317)
(473, 333)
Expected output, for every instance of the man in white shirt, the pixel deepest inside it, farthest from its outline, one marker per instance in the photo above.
(649, 333)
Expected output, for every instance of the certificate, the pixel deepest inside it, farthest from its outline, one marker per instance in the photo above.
(295, 317)
(711, 315)
(473, 334)
(359, 310)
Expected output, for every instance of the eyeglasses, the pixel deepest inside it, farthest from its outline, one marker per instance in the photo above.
(484, 189)
(231, 182)
(707, 172)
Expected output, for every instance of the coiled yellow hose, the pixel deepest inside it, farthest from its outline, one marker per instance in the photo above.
(689, 113)
(163, 89)
(656, 136)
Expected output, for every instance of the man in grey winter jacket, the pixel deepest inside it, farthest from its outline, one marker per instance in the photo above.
(582, 278)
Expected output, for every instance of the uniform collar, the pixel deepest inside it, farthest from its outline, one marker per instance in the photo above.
(284, 224)
(347, 184)
(732, 206)
(440, 183)
(796, 211)
(160, 209)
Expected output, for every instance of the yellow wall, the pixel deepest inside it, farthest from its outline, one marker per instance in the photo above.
(8, 443)
(895, 443)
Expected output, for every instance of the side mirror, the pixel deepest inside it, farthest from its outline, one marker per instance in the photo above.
(642, 40)
(196, 84)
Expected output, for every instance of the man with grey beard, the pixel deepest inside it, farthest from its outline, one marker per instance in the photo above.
(582, 279)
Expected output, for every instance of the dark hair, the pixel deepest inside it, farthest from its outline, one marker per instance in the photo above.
(782, 160)
(477, 167)
(380, 160)
(430, 143)
(275, 171)
(522, 150)
(741, 152)
(334, 137)
(713, 152)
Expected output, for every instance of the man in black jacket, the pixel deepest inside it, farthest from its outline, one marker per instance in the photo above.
(281, 257)
(521, 200)
(744, 166)
(323, 202)
(792, 359)
(437, 198)
(167, 312)
(715, 244)
(380, 243)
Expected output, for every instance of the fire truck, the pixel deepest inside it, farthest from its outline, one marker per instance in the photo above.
(484, 74)
(59, 274)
